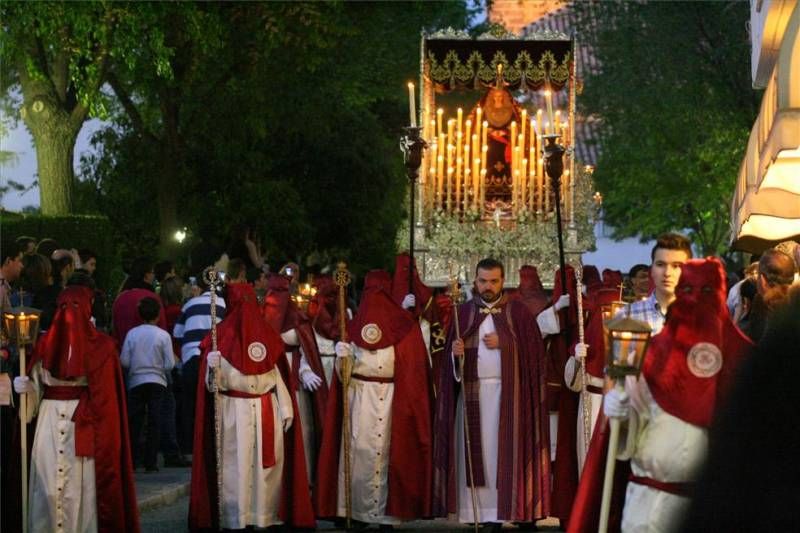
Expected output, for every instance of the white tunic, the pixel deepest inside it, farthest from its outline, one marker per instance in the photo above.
(327, 355)
(489, 376)
(662, 447)
(371, 425)
(62, 494)
(251, 492)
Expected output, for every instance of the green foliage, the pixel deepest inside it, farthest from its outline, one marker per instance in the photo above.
(676, 104)
(74, 231)
(284, 115)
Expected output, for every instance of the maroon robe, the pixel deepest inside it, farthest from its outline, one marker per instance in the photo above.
(523, 463)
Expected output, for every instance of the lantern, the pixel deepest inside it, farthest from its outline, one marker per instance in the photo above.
(626, 343)
(22, 325)
(610, 310)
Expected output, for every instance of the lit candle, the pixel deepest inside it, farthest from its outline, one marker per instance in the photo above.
(439, 178)
(447, 189)
(467, 173)
(439, 113)
(476, 173)
(460, 117)
(483, 186)
(523, 123)
(412, 111)
(540, 176)
(549, 98)
(513, 141)
(538, 122)
(523, 183)
(484, 131)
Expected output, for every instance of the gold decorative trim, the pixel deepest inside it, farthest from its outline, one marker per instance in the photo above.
(452, 70)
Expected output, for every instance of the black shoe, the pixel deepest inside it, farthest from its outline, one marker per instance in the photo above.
(492, 527)
(386, 527)
(176, 461)
(151, 469)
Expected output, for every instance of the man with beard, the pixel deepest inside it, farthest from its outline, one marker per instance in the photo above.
(504, 402)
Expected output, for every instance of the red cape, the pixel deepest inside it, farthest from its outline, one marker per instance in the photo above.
(235, 332)
(411, 445)
(101, 420)
(283, 315)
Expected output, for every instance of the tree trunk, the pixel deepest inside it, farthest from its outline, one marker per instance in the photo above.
(54, 135)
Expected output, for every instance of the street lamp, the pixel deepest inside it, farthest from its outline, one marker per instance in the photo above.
(22, 326)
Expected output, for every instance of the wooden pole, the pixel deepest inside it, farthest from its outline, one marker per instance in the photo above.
(611, 463)
(23, 431)
(342, 279)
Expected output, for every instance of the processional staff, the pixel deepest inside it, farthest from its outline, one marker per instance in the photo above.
(342, 280)
(455, 297)
(587, 417)
(212, 279)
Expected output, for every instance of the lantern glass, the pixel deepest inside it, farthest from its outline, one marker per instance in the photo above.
(611, 309)
(22, 325)
(626, 344)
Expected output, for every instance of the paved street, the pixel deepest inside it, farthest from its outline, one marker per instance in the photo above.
(163, 499)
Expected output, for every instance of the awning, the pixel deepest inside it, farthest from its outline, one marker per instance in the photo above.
(766, 203)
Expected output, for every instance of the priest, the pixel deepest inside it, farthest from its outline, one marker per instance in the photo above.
(502, 391)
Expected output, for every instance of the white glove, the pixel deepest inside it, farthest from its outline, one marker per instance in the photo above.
(310, 380)
(343, 349)
(617, 404)
(580, 350)
(213, 359)
(23, 385)
(562, 302)
(409, 301)
(286, 423)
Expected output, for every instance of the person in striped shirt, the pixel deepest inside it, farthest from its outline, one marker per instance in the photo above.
(193, 324)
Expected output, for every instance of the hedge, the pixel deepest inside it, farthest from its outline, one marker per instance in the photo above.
(71, 231)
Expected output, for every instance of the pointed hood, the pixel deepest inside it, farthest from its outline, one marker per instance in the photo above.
(379, 321)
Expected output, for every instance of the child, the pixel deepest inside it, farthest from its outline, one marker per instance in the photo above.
(147, 355)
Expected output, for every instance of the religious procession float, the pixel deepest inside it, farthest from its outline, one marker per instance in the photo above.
(490, 156)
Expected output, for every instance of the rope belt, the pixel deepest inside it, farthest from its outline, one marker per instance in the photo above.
(372, 379)
(267, 423)
(677, 488)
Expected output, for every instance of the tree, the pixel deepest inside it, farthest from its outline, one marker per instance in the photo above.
(286, 115)
(675, 103)
(58, 54)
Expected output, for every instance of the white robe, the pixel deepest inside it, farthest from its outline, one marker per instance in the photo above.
(370, 427)
(251, 492)
(327, 355)
(662, 447)
(489, 376)
(61, 492)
